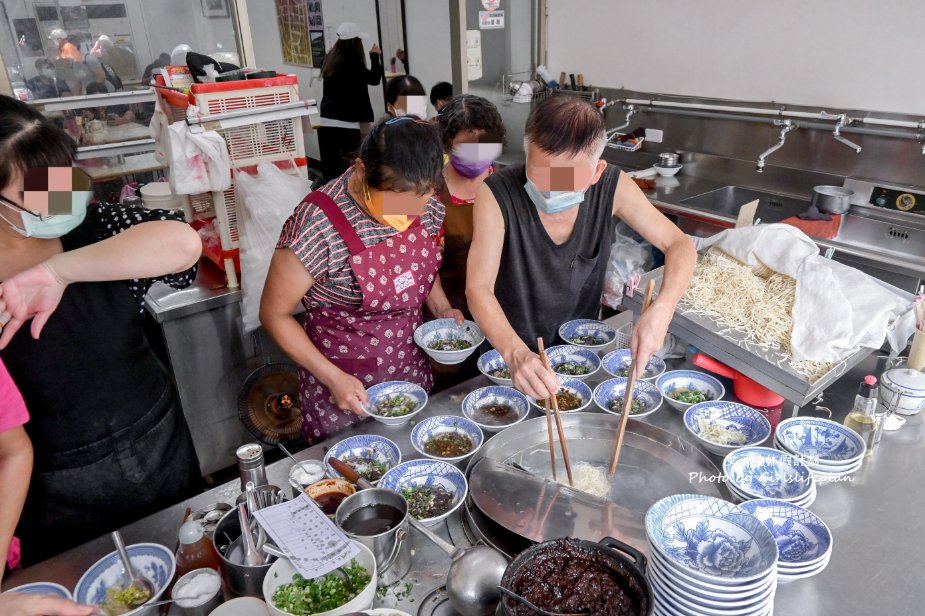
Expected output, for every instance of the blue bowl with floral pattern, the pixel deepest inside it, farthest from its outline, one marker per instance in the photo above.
(617, 363)
(365, 453)
(675, 382)
(588, 334)
(763, 472)
(711, 539)
(433, 335)
(573, 362)
(803, 539)
(151, 561)
(428, 473)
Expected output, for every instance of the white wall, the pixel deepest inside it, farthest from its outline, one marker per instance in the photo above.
(850, 54)
(428, 23)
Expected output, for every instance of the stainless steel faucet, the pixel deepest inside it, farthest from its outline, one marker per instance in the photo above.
(785, 127)
(836, 132)
(630, 112)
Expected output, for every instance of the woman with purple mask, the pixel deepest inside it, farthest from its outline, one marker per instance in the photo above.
(473, 135)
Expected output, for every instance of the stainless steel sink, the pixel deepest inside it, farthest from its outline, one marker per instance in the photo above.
(729, 199)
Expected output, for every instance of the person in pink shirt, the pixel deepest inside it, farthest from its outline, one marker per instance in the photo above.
(15, 470)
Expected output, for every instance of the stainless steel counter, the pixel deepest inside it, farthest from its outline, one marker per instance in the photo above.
(876, 520)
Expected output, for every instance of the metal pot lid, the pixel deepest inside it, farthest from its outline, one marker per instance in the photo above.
(909, 380)
(268, 404)
(653, 463)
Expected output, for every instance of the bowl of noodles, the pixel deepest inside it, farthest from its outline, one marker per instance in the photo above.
(722, 427)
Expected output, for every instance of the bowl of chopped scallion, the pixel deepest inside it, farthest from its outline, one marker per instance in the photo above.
(349, 589)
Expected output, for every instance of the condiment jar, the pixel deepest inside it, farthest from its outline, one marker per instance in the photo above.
(196, 550)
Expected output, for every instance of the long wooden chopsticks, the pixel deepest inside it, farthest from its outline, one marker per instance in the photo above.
(628, 392)
(559, 428)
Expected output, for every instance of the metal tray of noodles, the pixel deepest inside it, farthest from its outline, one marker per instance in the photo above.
(654, 463)
(767, 367)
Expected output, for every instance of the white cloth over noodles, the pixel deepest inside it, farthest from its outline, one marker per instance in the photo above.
(837, 308)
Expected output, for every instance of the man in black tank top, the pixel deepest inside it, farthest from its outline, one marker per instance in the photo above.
(542, 239)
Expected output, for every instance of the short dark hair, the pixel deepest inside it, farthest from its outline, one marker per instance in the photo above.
(565, 125)
(468, 112)
(440, 92)
(44, 63)
(403, 85)
(29, 140)
(403, 154)
(96, 88)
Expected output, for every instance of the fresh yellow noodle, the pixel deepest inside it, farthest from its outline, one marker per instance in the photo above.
(756, 302)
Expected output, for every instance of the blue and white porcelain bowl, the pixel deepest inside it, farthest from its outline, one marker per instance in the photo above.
(603, 333)
(152, 561)
(821, 441)
(356, 450)
(677, 381)
(473, 407)
(572, 386)
(711, 540)
(447, 329)
(617, 362)
(427, 472)
(722, 427)
(390, 389)
(803, 539)
(440, 425)
(491, 361)
(575, 357)
(43, 588)
(763, 472)
(608, 391)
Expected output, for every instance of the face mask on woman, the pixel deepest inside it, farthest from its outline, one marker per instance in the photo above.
(471, 160)
(50, 227)
(376, 207)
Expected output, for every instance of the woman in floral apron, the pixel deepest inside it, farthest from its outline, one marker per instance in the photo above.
(361, 255)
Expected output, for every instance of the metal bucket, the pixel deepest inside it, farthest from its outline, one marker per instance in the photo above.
(392, 548)
(241, 580)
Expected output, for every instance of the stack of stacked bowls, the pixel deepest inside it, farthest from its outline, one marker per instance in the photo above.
(804, 542)
(762, 472)
(708, 557)
(829, 449)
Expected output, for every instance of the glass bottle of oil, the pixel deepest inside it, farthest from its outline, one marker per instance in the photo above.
(863, 418)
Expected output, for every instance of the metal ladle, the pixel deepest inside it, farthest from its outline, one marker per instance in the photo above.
(475, 573)
(131, 578)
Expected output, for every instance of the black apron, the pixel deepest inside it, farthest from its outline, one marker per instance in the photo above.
(542, 285)
(111, 443)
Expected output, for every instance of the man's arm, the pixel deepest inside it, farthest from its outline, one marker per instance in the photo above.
(527, 370)
(632, 206)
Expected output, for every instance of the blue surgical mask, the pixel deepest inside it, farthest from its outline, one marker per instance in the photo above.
(555, 201)
(54, 226)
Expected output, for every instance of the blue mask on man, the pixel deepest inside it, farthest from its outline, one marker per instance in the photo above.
(553, 201)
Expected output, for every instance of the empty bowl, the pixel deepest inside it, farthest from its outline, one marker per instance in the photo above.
(667, 172)
(43, 588)
(763, 472)
(495, 408)
(389, 401)
(446, 342)
(687, 382)
(609, 397)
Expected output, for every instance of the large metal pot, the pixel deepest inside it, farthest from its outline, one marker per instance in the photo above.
(832, 199)
(624, 563)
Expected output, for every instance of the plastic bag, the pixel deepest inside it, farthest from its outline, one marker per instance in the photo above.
(628, 257)
(266, 201)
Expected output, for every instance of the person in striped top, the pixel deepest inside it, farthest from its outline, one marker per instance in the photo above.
(361, 255)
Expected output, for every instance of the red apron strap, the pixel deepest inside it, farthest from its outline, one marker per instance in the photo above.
(339, 220)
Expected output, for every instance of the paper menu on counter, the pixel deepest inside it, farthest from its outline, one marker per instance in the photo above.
(315, 544)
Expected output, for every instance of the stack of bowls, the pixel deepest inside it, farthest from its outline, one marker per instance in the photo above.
(762, 472)
(829, 449)
(804, 542)
(708, 557)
